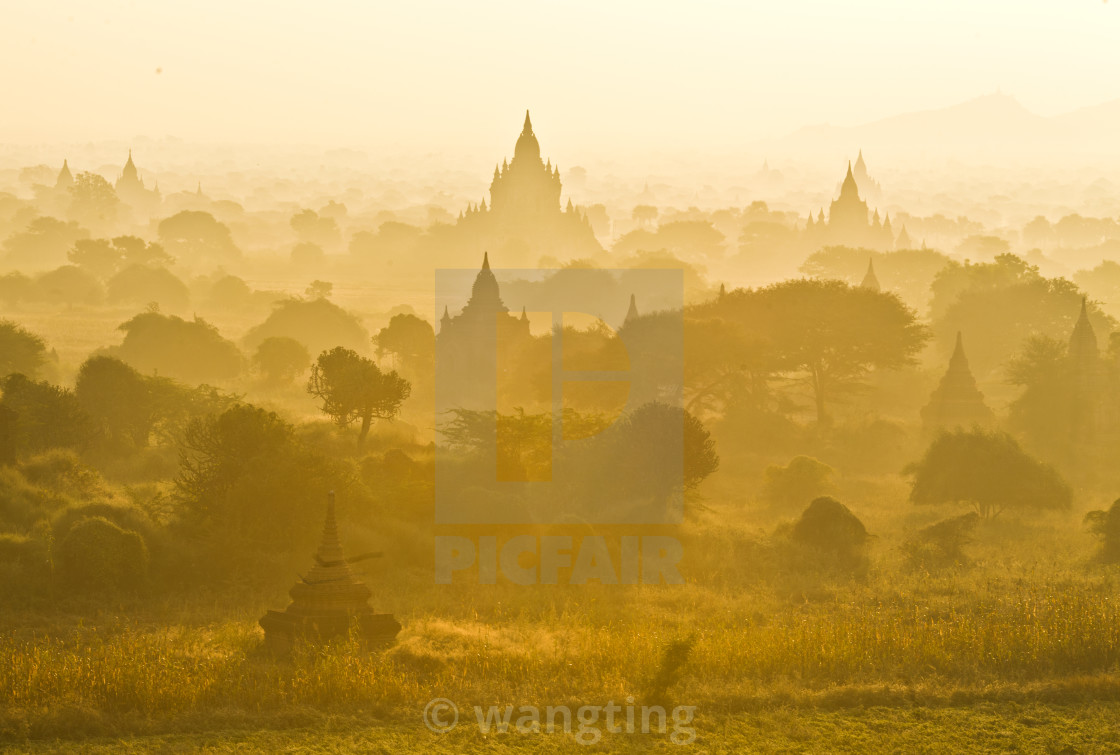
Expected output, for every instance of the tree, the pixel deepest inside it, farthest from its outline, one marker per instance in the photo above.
(987, 470)
(104, 258)
(20, 350)
(279, 359)
(1106, 526)
(320, 230)
(319, 289)
(833, 334)
(40, 416)
(318, 324)
(195, 235)
(907, 272)
(43, 244)
(68, 285)
(189, 350)
(93, 200)
(98, 554)
(1042, 412)
(411, 340)
(140, 284)
(249, 487)
(118, 398)
(354, 388)
(644, 215)
(990, 317)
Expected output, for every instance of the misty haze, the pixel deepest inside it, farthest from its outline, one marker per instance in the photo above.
(638, 377)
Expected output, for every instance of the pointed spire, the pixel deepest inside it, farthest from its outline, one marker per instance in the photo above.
(496, 173)
(330, 547)
(528, 127)
(486, 260)
(870, 281)
(1083, 345)
(632, 312)
(958, 351)
(524, 314)
(903, 241)
(65, 177)
(445, 320)
(569, 208)
(849, 186)
(722, 291)
(956, 402)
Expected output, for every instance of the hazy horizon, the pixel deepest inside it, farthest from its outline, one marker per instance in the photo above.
(603, 83)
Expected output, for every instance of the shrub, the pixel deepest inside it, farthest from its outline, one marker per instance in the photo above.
(941, 544)
(803, 479)
(1106, 526)
(127, 517)
(97, 554)
(830, 527)
(987, 470)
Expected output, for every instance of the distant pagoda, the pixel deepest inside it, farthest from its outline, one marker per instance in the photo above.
(956, 402)
(327, 601)
(870, 281)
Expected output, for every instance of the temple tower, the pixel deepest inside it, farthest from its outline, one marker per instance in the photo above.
(956, 402)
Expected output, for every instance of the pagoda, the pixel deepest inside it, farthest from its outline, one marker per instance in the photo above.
(956, 402)
(328, 601)
(870, 281)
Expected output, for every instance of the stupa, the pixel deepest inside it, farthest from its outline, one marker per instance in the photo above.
(957, 402)
(328, 601)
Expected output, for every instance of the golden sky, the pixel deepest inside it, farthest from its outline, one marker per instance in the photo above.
(456, 75)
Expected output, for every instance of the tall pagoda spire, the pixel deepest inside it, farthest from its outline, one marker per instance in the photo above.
(956, 402)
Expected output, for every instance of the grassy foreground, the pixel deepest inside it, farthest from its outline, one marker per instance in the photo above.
(987, 727)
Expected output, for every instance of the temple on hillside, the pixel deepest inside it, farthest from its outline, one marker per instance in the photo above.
(848, 223)
(328, 602)
(524, 219)
(956, 402)
(131, 190)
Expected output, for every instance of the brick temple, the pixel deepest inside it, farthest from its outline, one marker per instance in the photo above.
(328, 601)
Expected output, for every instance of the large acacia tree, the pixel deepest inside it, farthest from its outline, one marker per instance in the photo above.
(826, 332)
(988, 471)
(353, 388)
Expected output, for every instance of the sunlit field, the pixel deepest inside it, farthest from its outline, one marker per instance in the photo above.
(522, 378)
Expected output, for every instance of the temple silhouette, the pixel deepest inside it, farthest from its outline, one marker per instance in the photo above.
(466, 344)
(848, 222)
(956, 402)
(524, 220)
(131, 190)
(328, 602)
